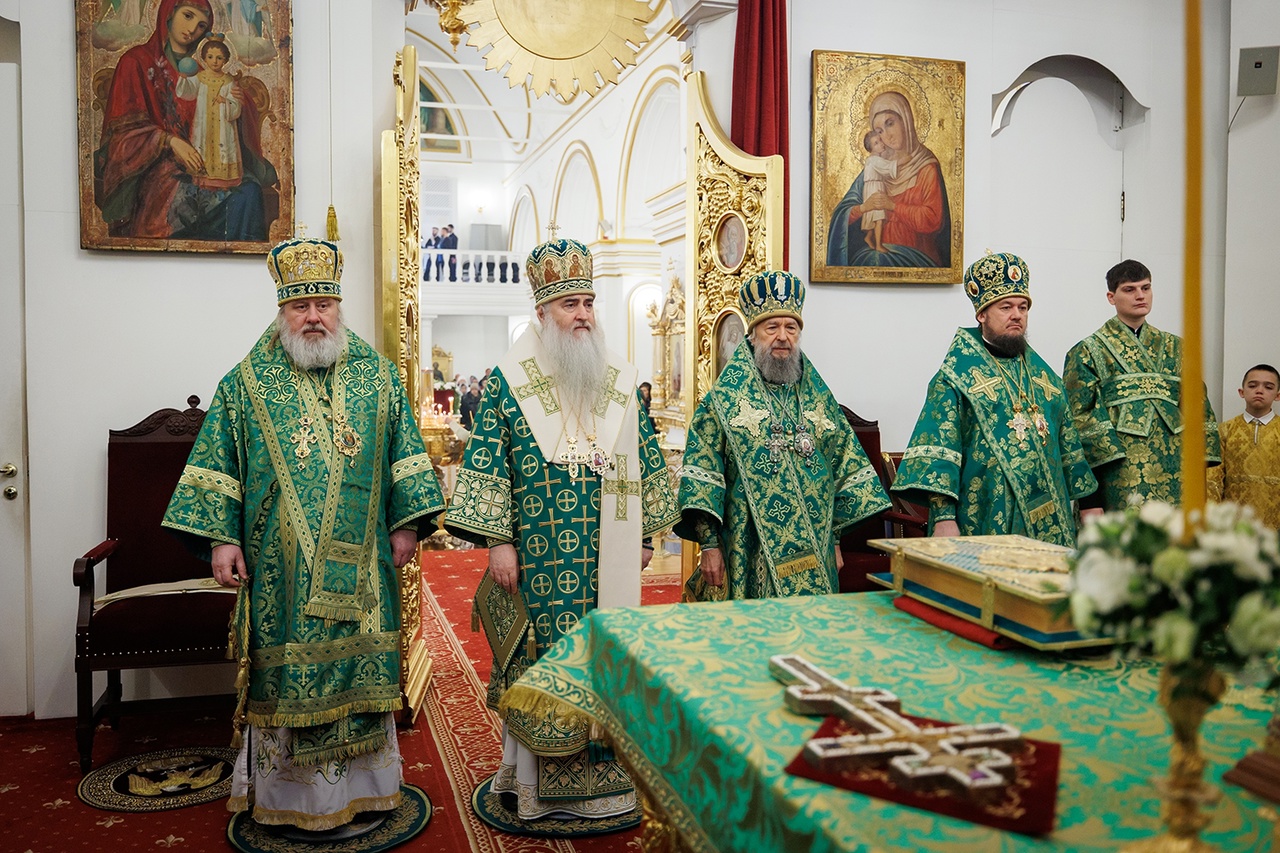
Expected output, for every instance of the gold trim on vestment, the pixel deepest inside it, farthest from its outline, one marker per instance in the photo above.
(214, 481)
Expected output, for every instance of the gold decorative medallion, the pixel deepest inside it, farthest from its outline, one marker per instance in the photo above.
(568, 46)
(345, 437)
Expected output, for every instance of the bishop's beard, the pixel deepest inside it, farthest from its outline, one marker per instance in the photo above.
(578, 365)
(779, 371)
(311, 354)
(1011, 345)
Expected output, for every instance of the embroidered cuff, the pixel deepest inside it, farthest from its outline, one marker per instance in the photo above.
(941, 509)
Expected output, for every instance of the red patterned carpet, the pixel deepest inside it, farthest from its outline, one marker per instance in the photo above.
(452, 746)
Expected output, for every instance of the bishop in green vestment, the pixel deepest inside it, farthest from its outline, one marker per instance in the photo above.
(772, 472)
(308, 487)
(562, 479)
(1124, 383)
(994, 450)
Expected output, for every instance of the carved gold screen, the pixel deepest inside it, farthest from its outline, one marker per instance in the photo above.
(397, 296)
(734, 228)
(734, 225)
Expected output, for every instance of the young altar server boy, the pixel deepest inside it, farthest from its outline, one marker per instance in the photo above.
(1250, 470)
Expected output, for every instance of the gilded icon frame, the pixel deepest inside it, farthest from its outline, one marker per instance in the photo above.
(729, 239)
(916, 104)
(157, 197)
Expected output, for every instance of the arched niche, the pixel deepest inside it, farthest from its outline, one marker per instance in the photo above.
(577, 208)
(525, 230)
(642, 303)
(653, 155)
(1114, 106)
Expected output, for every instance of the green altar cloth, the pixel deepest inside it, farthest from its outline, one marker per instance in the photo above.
(684, 692)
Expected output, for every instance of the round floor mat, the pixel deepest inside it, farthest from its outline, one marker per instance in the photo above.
(157, 781)
(403, 823)
(489, 807)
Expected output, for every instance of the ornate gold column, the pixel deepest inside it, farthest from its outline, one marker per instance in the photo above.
(396, 234)
(734, 229)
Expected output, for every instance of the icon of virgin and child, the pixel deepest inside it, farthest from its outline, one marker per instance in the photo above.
(895, 213)
(180, 155)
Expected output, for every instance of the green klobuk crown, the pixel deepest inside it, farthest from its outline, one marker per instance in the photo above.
(305, 268)
(994, 277)
(559, 268)
(773, 293)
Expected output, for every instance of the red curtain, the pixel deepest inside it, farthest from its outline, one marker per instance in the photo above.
(761, 115)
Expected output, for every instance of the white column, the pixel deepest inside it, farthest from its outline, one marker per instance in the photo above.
(425, 322)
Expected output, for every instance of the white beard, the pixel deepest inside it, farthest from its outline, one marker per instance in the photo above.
(578, 365)
(310, 354)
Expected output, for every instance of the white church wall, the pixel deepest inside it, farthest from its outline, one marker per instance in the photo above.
(879, 345)
(1252, 279)
(112, 336)
(475, 342)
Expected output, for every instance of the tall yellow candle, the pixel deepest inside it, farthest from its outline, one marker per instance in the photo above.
(1192, 402)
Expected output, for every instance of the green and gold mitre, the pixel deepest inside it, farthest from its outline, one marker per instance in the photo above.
(773, 293)
(557, 268)
(994, 277)
(305, 268)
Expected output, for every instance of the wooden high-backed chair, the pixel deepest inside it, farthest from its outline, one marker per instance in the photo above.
(860, 559)
(161, 606)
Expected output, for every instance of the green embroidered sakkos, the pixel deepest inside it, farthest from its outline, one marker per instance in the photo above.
(508, 493)
(998, 443)
(774, 500)
(1124, 391)
(309, 472)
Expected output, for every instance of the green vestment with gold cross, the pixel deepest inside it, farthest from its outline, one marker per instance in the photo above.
(510, 490)
(995, 448)
(309, 472)
(1124, 390)
(772, 474)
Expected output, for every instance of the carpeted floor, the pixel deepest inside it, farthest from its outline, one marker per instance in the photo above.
(451, 747)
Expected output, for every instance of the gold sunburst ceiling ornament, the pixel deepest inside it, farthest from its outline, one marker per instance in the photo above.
(566, 47)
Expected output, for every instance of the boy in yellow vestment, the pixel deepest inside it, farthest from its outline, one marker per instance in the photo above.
(1250, 470)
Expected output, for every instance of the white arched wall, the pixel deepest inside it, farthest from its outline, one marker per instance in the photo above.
(639, 335)
(1052, 148)
(524, 231)
(577, 205)
(653, 154)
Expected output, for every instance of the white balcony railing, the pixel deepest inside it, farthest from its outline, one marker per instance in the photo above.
(480, 266)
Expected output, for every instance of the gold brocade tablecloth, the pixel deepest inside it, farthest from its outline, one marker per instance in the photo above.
(685, 694)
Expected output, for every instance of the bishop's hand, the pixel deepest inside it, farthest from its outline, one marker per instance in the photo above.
(711, 562)
(229, 568)
(504, 565)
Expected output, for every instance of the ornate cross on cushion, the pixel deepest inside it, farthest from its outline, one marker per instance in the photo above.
(970, 758)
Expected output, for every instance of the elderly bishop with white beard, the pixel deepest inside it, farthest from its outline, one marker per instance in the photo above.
(562, 480)
(772, 473)
(307, 488)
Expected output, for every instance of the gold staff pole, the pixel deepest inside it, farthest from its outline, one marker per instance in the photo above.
(1192, 400)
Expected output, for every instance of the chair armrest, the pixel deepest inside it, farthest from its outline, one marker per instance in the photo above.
(83, 569)
(82, 576)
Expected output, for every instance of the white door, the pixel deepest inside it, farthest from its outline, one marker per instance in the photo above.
(15, 603)
(1056, 185)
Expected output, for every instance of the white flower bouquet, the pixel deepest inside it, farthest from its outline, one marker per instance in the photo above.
(1216, 601)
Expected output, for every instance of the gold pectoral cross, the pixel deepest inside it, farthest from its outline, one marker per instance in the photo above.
(1019, 423)
(302, 439)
